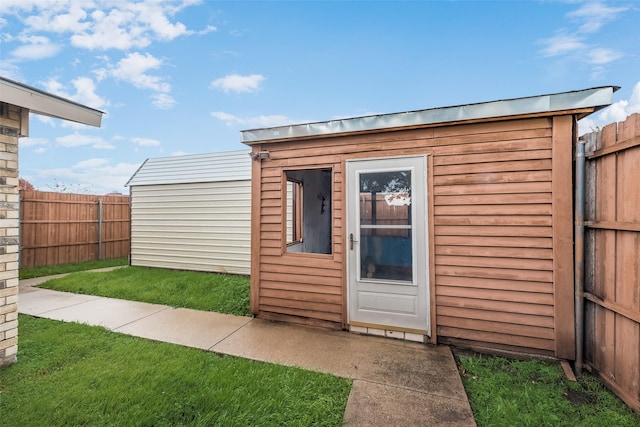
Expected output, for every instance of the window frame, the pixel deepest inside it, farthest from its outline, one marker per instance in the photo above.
(296, 175)
(297, 198)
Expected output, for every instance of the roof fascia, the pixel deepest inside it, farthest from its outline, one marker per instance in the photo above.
(582, 102)
(40, 102)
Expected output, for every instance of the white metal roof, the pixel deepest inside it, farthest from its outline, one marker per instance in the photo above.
(40, 102)
(211, 167)
(594, 99)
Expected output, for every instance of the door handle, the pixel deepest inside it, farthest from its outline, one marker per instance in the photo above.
(351, 241)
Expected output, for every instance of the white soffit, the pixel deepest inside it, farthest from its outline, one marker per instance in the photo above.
(594, 98)
(40, 102)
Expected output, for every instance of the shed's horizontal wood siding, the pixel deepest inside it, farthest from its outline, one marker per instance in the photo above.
(192, 226)
(493, 230)
(494, 239)
(296, 285)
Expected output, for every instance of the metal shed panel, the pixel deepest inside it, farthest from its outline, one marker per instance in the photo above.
(192, 226)
(211, 167)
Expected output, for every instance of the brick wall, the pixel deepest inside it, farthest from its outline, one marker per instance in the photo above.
(10, 117)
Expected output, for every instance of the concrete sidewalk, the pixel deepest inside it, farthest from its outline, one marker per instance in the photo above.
(395, 383)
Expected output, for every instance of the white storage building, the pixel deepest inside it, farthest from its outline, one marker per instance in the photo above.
(192, 212)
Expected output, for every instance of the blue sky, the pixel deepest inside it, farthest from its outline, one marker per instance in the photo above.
(184, 77)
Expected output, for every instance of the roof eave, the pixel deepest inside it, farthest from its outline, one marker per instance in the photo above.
(40, 102)
(581, 103)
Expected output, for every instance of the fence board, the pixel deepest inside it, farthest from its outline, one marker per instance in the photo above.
(612, 279)
(61, 228)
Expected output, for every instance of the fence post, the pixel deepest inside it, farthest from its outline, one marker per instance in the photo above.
(100, 229)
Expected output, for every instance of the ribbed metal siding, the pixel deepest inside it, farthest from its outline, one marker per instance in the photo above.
(192, 226)
(210, 167)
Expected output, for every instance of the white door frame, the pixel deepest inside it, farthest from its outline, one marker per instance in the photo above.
(380, 303)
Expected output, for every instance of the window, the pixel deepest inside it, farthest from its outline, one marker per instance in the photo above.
(308, 211)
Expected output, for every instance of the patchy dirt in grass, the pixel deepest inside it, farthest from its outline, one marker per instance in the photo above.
(579, 397)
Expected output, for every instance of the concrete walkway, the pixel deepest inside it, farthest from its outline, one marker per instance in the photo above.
(395, 383)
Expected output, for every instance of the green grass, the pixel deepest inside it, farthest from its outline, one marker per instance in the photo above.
(70, 374)
(505, 392)
(29, 273)
(188, 289)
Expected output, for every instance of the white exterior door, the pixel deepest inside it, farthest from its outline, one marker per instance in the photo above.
(387, 244)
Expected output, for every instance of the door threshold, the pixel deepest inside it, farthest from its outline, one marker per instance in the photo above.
(381, 332)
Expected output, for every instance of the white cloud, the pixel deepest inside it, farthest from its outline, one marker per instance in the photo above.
(229, 119)
(106, 24)
(94, 175)
(145, 142)
(561, 44)
(101, 144)
(257, 121)
(58, 173)
(71, 20)
(616, 112)
(133, 69)
(101, 25)
(10, 70)
(31, 142)
(114, 30)
(85, 91)
(209, 29)
(620, 110)
(109, 178)
(601, 56)
(75, 140)
(597, 72)
(154, 14)
(594, 15)
(52, 85)
(238, 83)
(163, 101)
(36, 47)
(79, 140)
(575, 41)
(179, 153)
(40, 150)
(90, 163)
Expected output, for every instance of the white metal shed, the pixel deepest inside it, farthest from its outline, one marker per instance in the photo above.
(193, 212)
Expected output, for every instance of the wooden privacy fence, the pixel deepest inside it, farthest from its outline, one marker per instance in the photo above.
(60, 228)
(612, 257)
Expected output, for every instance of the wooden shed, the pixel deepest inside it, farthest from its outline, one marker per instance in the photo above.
(193, 212)
(450, 225)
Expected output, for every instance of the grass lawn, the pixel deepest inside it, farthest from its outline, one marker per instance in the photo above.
(502, 392)
(188, 289)
(71, 374)
(29, 273)
(505, 392)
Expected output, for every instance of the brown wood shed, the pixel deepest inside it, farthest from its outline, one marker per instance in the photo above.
(451, 225)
